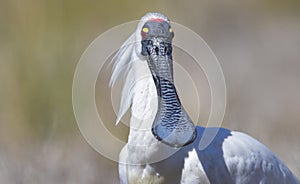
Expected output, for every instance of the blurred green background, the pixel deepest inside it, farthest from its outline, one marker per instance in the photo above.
(41, 41)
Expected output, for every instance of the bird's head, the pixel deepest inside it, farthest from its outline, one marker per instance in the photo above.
(157, 36)
(156, 45)
(172, 124)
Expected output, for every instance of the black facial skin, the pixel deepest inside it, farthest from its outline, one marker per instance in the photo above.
(158, 38)
(163, 48)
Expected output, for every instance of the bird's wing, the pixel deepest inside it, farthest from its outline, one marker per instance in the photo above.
(249, 161)
(234, 157)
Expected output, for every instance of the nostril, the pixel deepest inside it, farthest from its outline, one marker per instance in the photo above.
(148, 51)
(156, 50)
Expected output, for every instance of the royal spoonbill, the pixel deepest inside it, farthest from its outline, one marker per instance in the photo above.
(163, 146)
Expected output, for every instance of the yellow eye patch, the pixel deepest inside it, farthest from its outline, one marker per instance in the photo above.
(171, 30)
(145, 30)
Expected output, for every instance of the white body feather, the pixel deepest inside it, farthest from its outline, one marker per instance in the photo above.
(232, 157)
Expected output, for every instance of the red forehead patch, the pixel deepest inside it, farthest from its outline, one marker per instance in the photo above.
(156, 20)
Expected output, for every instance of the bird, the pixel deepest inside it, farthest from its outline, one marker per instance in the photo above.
(163, 142)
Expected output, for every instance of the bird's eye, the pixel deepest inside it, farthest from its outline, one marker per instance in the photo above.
(145, 30)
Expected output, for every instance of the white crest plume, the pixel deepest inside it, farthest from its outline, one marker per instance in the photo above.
(127, 56)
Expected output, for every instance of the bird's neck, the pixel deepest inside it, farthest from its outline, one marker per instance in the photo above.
(144, 104)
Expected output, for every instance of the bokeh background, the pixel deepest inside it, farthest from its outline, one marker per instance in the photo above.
(41, 41)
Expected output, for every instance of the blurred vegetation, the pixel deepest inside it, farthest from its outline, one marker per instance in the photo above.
(41, 42)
